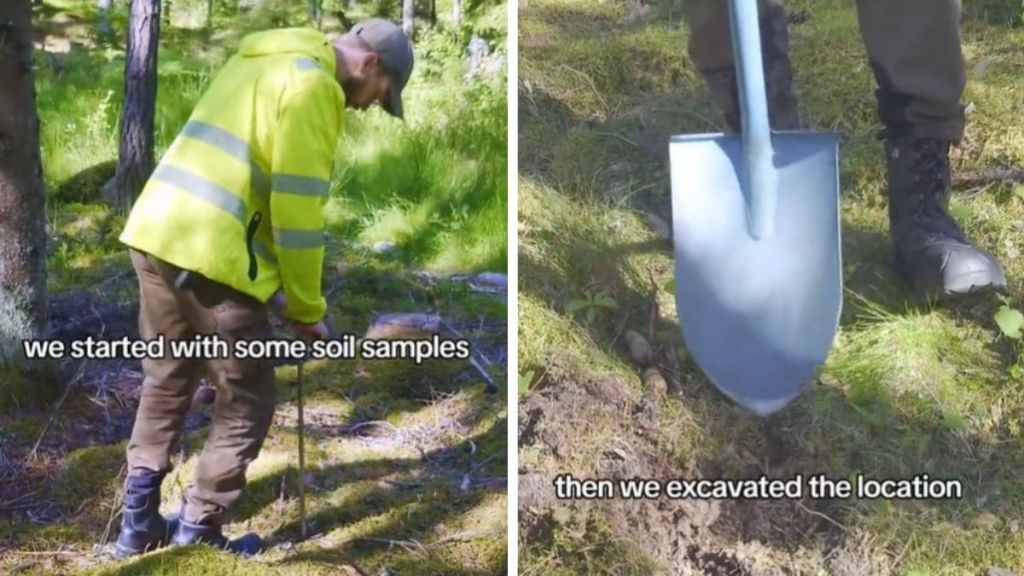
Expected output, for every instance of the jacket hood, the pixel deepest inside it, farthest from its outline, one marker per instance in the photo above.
(299, 41)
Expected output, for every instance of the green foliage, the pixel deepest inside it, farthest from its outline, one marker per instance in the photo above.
(435, 186)
(590, 305)
(1010, 320)
(79, 102)
(525, 381)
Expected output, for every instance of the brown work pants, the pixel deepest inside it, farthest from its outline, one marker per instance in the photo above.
(246, 392)
(913, 48)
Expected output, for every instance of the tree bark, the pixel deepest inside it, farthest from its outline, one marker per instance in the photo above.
(408, 17)
(456, 13)
(135, 160)
(22, 199)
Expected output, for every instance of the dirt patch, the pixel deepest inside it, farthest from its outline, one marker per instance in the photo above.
(555, 419)
(596, 427)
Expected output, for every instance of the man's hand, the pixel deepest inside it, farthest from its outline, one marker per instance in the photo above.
(311, 332)
(308, 332)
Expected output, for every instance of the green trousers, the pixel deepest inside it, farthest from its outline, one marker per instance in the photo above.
(246, 389)
(913, 48)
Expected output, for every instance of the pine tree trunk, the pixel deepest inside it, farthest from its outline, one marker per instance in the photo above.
(22, 200)
(135, 160)
(408, 17)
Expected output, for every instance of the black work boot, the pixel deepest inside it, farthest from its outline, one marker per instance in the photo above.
(932, 252)
(187, 533)
(142, 527)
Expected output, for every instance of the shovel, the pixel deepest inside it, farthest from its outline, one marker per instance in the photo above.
(756, 234)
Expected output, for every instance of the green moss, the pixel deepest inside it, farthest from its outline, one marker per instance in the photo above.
(28, 386)
(89, 473)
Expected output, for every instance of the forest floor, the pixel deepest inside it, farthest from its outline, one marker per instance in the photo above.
(908, 388)
(405, 465)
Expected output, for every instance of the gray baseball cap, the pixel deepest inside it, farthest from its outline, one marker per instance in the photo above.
(394, 49)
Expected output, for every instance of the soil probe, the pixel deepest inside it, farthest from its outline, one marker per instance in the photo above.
(302, 455)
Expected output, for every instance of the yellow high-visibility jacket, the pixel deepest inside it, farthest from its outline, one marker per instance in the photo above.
(238, 196)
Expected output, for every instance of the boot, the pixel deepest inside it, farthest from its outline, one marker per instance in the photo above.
(187, 533)
(142, 527)
(932, 252)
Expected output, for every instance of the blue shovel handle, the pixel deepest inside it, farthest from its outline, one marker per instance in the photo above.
(759, 177)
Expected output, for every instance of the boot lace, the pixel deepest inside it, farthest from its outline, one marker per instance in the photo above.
(930, 216)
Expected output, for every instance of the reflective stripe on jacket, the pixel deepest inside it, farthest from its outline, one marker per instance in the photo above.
(238, 196)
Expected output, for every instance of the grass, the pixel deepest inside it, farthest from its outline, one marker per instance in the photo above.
(426, 493)
(907, 388)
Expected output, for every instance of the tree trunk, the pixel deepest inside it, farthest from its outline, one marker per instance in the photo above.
(135, 160)
(209, 14)
(456, 13)
(22, 199)
(433, 13)
(408, 17)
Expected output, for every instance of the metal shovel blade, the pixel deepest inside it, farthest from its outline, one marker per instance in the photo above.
(758, 315)
(756, 231)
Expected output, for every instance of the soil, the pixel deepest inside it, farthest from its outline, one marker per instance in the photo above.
(558, 425)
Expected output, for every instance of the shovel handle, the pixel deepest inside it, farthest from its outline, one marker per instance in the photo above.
(759, 177)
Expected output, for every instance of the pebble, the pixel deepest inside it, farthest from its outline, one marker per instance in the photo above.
(640, 351)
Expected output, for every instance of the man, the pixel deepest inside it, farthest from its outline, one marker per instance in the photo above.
(914, 51)
(231, 217)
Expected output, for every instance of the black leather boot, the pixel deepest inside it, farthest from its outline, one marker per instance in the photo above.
(142, 527)
(932, 252)
(187, 533)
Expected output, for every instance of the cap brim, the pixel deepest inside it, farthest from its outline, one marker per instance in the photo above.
(394, 105)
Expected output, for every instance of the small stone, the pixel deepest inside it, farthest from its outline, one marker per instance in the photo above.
(987, 521)
(640, 351)
(620, 453)
(384, 247)
(654, 382)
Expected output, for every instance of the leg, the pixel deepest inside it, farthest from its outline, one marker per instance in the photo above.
(243, 410)
(166, 396)
(914, 51)
(169, 383)
(710, 47)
